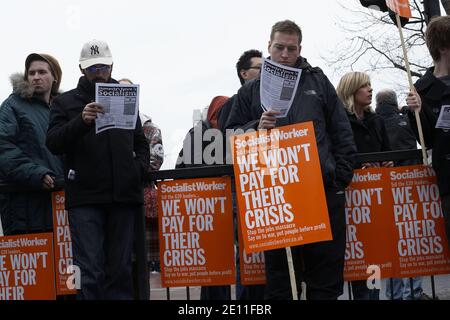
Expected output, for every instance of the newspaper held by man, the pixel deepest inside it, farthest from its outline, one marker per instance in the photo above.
(120, 104)
(443, 121)
(278, 86)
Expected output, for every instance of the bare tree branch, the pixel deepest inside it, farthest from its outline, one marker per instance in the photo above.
(373, 41)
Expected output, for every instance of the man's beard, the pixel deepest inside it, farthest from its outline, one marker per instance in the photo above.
(99, 80)
(40, 93)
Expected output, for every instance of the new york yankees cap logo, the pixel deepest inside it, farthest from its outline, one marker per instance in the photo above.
(95, 52)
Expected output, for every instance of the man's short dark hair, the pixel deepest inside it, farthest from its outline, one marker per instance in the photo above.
(245, 62)
(286, 26)
(437, 36)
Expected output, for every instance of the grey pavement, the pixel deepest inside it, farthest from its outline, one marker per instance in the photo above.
(442, 289)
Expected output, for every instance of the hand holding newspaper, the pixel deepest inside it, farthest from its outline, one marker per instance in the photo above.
(278, 87)
(120, 104)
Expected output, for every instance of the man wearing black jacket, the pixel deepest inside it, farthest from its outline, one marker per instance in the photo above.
(401, 137)
(248, 68)
(320, 265)
(434, 90)
(104, 177)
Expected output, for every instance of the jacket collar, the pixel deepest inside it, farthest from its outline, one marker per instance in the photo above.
(434, 87)
(87, 89)
(387, 110)
(24, 89)
(368, 116)
(20, 86)
(301, 63)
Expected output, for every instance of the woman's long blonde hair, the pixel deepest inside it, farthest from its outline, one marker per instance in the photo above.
(347, 87)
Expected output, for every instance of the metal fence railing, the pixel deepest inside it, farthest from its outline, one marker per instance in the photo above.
(227, 170)
(140, 266)
(141, 272)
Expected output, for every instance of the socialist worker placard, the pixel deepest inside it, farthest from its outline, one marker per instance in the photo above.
(26, 267)
(395, 222)
(279, 188)
(196, 232)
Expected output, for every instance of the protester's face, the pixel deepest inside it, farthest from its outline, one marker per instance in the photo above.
(40, 77)
(98, 73)
(284, 48)
(363, 97)
(254, 70)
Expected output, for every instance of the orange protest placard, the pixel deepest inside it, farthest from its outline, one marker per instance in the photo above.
(420, 240)
(406, 234)
(279, 188)
(369, 226)
(26, 267)
(401, 7)
(63, 243)
(196, 232)
(252, 266)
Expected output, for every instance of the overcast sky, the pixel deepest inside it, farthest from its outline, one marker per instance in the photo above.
(182, 53)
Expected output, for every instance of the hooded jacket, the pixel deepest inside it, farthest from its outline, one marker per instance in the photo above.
(315, 100)
(106, 167)
(25, 159)
(434, 94)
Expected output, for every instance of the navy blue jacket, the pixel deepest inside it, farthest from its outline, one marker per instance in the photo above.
(315, 100)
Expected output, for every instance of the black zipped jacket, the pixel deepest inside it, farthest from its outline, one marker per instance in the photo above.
(315, 100)
(370, 133)
(434, 94)
(106, 167)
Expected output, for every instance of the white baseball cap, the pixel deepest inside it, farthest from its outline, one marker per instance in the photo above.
(95, 52)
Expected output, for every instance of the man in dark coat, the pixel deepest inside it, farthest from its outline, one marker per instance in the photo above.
(104, 180)
(248, 67)
(315, 100)
(434, 90)
(25, 161)
(401, 137)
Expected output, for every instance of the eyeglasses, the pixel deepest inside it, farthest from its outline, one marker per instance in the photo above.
(94, 68)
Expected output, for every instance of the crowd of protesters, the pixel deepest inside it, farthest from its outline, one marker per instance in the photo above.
(47, 136)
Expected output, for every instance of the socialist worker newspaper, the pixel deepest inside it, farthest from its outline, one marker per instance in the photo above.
(278, 87)
(120, 104)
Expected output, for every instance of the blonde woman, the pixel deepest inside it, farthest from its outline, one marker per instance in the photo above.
(369, 131)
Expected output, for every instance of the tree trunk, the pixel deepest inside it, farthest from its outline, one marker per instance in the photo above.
(446, 5)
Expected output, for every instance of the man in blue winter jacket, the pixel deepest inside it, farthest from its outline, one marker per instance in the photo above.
(320, 265)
